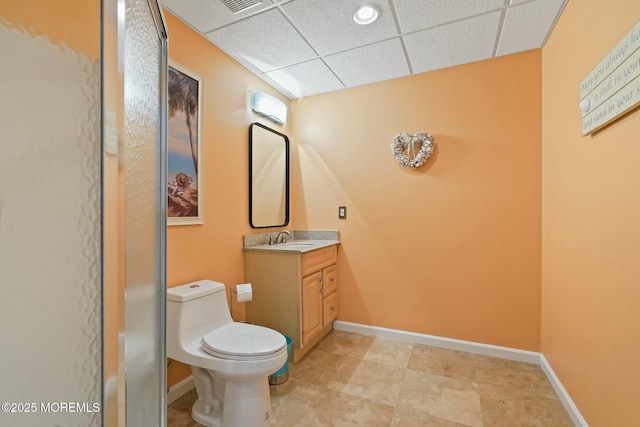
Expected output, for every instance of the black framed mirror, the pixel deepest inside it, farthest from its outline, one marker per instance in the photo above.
(268, 177)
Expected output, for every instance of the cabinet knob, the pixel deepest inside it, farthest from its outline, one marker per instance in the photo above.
(333, 307)
(321, 288)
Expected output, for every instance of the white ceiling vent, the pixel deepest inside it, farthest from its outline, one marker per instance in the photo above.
(239, 5)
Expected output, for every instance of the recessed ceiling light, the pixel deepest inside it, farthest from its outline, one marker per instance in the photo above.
(365, 15)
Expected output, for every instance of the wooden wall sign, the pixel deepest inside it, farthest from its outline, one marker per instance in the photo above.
(613, 87)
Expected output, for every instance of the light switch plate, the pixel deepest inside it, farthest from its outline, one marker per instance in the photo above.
(342, 212)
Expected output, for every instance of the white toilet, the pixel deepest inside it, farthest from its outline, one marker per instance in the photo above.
(230, 361)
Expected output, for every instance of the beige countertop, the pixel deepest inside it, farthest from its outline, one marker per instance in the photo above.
(298, 241)
(300, 246)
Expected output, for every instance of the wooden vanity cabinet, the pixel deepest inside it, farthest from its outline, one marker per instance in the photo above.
(294, 293)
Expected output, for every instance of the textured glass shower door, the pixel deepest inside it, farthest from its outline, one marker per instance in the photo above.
(50, 214)
(134, 184)
(145, 69)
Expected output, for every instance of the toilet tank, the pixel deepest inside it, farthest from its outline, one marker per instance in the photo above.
(194, 309)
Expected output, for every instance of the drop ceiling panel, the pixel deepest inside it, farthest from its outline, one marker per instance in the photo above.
(415, 15)
(309, 78)
(306, 47)
(328, 25)
(526, 26)
(206, 15)
(263, 42)
(373, 63)
(453, 44)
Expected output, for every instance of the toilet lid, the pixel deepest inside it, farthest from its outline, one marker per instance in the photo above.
(243, 341)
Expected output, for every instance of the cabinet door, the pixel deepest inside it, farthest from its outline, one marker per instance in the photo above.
(311, 306)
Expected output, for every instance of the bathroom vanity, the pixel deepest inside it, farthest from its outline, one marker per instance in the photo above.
(294, 287)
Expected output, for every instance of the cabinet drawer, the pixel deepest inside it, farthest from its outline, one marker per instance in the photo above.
(318, 259)
(329, 280)
(330, 311)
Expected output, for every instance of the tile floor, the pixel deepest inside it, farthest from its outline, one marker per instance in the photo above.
(357, 380)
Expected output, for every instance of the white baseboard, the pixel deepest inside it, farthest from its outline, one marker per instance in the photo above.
(562, 393)
(436, 341)
(179, 389)
(472, 347)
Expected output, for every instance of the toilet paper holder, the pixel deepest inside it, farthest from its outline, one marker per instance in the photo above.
(232, 291)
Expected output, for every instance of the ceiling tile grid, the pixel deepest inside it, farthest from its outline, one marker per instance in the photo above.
(307, 47)
(369, 64)
(328, 28)
(527, 26)
(263, 42)
(416, 15)
(207, 15)
(453, 44)
(305, 79)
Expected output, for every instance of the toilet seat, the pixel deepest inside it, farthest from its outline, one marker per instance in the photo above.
(243, 341)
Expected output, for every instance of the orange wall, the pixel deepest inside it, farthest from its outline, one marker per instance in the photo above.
(81, 36)
(591, 228)
(451, 249)
(214, 250)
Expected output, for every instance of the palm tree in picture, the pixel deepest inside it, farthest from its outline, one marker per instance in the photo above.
(183, 96)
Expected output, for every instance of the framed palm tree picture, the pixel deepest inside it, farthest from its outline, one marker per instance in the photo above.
(184, 142)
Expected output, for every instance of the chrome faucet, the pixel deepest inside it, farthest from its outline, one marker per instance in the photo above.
(280, 238)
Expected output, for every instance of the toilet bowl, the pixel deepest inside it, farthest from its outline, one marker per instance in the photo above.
(230, 361)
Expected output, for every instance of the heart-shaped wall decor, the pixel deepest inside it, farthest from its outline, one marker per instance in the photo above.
(404, 147)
